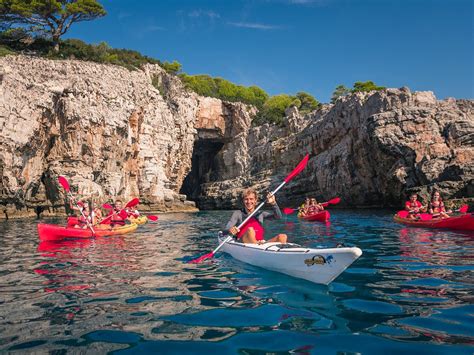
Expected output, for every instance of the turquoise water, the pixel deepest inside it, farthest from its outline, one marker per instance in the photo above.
(412, 291)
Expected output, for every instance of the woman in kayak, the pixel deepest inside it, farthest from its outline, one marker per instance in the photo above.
(436, 206)
(303, 210)
(85, 220)
(414, 207)
(314, 207)
(253, 232)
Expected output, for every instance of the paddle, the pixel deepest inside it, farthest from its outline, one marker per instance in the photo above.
(334, 201)
(299, 168)
(65, 184)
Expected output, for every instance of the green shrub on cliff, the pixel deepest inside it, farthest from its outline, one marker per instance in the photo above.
(223, 89)
(171, 68)
(308, 102)
(359, 86)
(340, 91)
(5, 51)
(365, 86)
(273, 110)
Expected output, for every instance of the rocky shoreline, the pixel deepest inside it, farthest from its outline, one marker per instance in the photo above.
(116, 133)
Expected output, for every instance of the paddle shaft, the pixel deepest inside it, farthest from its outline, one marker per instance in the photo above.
(229, 238)
(82, 213)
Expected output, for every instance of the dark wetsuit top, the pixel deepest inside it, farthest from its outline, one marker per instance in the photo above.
(240, 215)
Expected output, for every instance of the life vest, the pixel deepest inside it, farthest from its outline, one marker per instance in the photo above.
(439, 207)
(410, 205)
(256, 225)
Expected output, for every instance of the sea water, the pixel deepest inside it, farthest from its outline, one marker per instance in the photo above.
(412, 291)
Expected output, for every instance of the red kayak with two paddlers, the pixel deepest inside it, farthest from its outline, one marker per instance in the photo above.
(462, 222)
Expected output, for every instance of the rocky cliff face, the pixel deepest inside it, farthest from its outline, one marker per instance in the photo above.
(116, 133)
(107, 129)
(370, 149)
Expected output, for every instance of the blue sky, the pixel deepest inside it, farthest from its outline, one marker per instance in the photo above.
(286, 46)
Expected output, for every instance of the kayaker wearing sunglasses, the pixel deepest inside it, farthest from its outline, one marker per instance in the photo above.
(253, 231)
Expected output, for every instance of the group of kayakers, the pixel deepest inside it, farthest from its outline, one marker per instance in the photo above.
(116, 216)
(435, 206)
(310, 207)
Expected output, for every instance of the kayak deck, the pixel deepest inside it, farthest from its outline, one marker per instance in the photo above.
(320, 265)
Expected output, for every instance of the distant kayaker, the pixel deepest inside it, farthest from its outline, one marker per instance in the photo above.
(414, 207)
(436, 206)
(253, 232)
(314, 207)
(303, 210)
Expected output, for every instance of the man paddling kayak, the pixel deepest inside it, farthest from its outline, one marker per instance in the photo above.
(253, 232)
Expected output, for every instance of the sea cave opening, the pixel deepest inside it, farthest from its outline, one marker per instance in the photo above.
(204, 168)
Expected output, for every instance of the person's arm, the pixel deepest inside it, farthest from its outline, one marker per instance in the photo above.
(276, 214)
(234, 220)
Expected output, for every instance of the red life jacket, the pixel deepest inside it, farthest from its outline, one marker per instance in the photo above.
(255, 224)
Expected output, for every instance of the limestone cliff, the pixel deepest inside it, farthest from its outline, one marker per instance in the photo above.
(107, 129)
(119, 133)
(370, 149)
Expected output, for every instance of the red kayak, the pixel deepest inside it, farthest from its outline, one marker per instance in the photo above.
(322, 216)
(462, 222)
(55, 232)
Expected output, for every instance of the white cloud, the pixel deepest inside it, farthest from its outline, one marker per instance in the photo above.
(255, 26)
(204, 13)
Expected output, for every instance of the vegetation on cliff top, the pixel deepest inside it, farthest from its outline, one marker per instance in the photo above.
(35, 27)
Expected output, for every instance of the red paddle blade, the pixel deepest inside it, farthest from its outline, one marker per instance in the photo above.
(464, 208)
(334, 201)
(133, 203)
(64, 183)
(299, 168)
(202, 258)
(107, 206)
(426, 216)
(152, 218)
(287, 210)
(402, 214)
(123, 214)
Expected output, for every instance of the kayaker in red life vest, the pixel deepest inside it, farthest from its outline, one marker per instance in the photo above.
(84, 219)
(253, 231)
(436, 206)
(414, 207)
(116, 219)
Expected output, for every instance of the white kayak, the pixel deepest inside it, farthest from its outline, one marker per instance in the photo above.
(320, 266)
